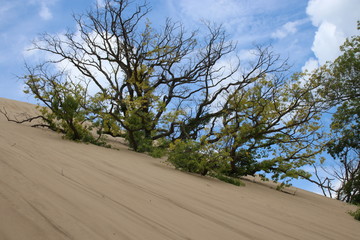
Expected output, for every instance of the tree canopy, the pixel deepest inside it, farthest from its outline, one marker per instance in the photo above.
(340, 89)
(169, 87)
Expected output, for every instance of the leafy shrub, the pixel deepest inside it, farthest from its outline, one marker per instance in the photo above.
(184, 155)
(231, 180)
(356, 214)
(63, 105)
(157, 152)
(196, 157)
(159, 148)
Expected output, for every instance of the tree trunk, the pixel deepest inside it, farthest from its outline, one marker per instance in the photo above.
(132, 141)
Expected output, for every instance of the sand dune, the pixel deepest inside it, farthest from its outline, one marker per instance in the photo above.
(52, 188)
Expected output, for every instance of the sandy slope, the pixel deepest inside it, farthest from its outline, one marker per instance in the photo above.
(52, 188)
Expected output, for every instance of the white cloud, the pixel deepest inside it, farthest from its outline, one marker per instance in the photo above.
(341, 13)
(45, 12)
(336, 20)
(327, 40)
(100, 3)
(35, 56)
(310, 65)
(287, 29)
(246, 22)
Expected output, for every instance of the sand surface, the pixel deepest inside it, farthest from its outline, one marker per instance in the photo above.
(52, 188)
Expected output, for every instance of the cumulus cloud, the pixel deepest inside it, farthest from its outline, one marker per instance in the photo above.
(335, 20)
(326, 43)
(287, 29)
(310, 65)
(341, 13)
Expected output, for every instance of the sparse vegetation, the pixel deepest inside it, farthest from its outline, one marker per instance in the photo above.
(355, 214)
(168, 90)
(196, 157)
(231, 180)
(62, 101)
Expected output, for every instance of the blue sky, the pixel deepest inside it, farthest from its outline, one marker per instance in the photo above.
(307, 32)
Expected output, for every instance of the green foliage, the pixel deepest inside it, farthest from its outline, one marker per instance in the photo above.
(340, 88)
(137, 113)
(227, 179)
(186, 156)
(159, 148)
(63, 110)
(355, 214)
(196, 157)
(157, 152)
(192, 156)
(272, 126)
(165, 85)
(340, 79)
